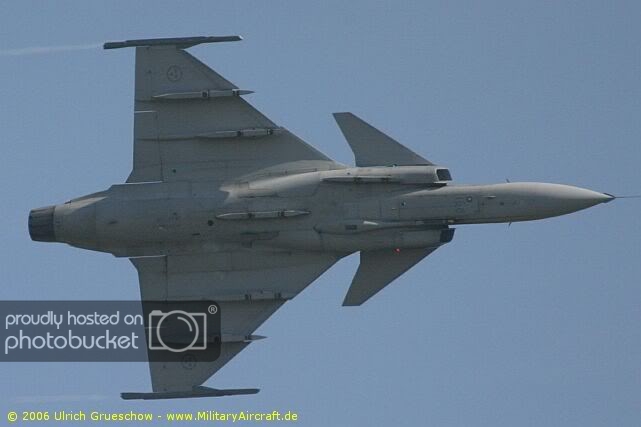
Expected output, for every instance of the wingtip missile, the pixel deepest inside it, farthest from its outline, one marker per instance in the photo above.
(180, 42)
(199, 391)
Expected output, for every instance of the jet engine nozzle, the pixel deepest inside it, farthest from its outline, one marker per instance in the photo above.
(41, 224)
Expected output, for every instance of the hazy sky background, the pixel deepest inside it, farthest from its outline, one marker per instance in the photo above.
(536, 324)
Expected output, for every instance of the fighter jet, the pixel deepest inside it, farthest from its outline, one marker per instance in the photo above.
(225, 205)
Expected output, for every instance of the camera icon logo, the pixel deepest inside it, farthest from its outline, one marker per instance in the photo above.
(177, 331)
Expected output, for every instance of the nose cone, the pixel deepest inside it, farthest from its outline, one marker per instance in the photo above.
(581, 198)
(41, 224)
(557, 199)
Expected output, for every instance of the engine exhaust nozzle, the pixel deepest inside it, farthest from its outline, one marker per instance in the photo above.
(41, 224)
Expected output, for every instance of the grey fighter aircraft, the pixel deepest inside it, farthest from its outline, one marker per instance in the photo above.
(223, 204)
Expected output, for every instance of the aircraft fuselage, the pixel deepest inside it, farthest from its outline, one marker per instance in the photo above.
(343, 210)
